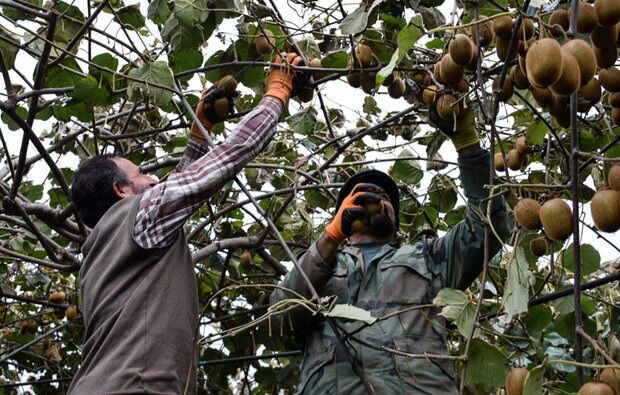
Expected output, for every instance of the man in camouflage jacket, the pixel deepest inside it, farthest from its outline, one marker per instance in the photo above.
(371, 274)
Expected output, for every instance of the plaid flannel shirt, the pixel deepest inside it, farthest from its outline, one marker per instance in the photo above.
(201, 172)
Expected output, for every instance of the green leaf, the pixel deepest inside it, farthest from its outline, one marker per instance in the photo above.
(17, 15)
(304, 121)
(536, 133)
(21, 111)
(431, 17)
(435, 43)
(104, 60)
(405, 40)
(517, 283)
(442, 193)
(407, 171)
(486, 365)
(187, 59)
(158, 11)
(534, 381)
(191, 12)
(7, 50)
(157, 72)
(318, 199)
(455, 216)
(349, 312)
(370, 106)
(537, 318)
(90, 92)
(57, 77)
(457, 307)
(309, 48)
(131, 15)
(565, 326)
(355, 22)
(590, 259)
(180, 36)
(335, 60)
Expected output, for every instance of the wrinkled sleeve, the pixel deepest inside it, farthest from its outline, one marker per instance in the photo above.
(459, 254)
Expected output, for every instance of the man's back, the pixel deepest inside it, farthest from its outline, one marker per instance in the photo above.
(137, 304)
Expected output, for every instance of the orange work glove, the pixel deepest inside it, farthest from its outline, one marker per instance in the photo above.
(353, 216)
(205, 110)
(281, 77)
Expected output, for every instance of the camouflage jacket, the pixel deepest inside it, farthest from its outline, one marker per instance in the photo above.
(397, 278)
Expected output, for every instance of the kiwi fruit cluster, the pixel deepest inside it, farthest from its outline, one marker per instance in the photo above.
(555, 217)
(516, 158)
(221, 105)
(605, 204)
(367, 80)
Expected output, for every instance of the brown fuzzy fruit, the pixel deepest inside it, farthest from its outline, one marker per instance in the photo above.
(615, 116)
(519, 79)
(591, 91)
(221, 107)
(430, 95)
(265, 42)
(605, 57)
(604, 36)
(587, 18)
(462, 86)
(570, 79)
(421, 78)
(542, 65)
(486, 32)
(502, 26)
(229, 83)
(584, 55)
(364, 55)
(610, 79)
(559, 17)
(71, 313)
(557, 219)
(472, 66)
(595, 389)
(605, 208)
(543, 96)
(526, 30)
(611, 377)
(538, 246)
(305, 95)
(316, 63)
(608, 11)
(614, 99)
(437, 73)
(515, 380)
(396, 88)
(451, 72)
(522, 146)
(526, 214)
(373, 208)
(446, 107)
(613, 178)
(498, 162)
(368, 81)
(389, 79)
(505, 93)
(354, 78)
(246, 258)
(57, 297)
(515, 159)
(461, 49)
(505, 53)
(358, 225)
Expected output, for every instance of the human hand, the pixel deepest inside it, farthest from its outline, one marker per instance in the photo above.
(281, 76)
(214, 107)
(354, 213)
(463, 135)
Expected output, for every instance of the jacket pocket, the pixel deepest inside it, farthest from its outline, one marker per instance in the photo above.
(315, 372)
(404, 282)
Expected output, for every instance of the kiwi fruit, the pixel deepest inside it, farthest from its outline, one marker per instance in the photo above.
(526, 214)
(538, 246)
(265, 42)
(221, 107)
(354, 78)
(71, 313)
(519, 79)
(430, 95)
(595, 389)
(505, 93)
(446, 107)
(543, 68)
(526, 30)
(498, 162)
(451, 72)
(515, 159)
(524, 46)
(389, 79)
(613, 178)
(486, 32)
(610, 79)
(615, 116)
(611, 377)
(604, 36)
(591, 91)
(605, 209)
(557, 219)
(559, 17)
(563, 119)
(515, 381)
(246, 258)
(229, 83)
(502, 26)
(570, 79)
(305, 94)
(583, 53)
(473, 65)
(559, 105)
(505, 53)
(462, 86)
(461, 50)
(396, 88)
(373, 208)
(587, 18)
(368, 81)
(437, 73)
(57, 297)
(316, 64)
(614, 99)
(606, 57)
(608, 11)
(358, 225)
(522, 146)
(543, 96)
(364, 55)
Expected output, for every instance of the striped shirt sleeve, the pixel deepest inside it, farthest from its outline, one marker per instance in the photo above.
(201, 172)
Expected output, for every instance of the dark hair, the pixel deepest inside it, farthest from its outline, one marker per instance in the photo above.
(91, 188)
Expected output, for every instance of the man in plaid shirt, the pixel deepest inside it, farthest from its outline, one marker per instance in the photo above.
(138, 288)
